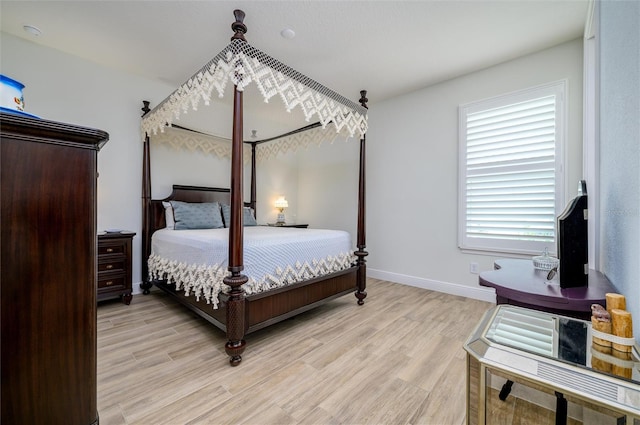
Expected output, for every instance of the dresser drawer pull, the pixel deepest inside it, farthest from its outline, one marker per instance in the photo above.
(109, 266)
(109, 249)
(108, 283)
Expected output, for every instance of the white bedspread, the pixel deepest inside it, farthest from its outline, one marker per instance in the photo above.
(197, 260)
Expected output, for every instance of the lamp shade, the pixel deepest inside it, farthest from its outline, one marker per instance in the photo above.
(281, 203)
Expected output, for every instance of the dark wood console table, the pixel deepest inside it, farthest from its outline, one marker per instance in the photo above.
(518, 283)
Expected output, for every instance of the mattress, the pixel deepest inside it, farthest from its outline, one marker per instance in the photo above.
(196, 261)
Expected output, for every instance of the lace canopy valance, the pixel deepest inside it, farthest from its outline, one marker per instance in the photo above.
(220, 147)
(243, 64)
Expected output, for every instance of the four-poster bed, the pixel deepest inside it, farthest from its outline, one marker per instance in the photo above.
(238, 308)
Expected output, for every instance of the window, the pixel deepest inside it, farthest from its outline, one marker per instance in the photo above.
(510, 183)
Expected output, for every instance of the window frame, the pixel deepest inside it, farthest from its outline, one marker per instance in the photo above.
(522, 248)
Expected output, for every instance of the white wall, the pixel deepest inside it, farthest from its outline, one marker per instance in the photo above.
(276, 177)
(412, 160)
(620, 150)
(328, 186)
(171, 166)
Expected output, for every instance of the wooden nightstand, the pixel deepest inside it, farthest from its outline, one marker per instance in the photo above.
(114, 265)
(299, 226)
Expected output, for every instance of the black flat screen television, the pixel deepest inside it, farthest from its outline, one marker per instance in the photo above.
(573, 241)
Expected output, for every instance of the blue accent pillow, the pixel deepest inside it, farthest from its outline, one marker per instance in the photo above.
(248, 217)
(204, 215)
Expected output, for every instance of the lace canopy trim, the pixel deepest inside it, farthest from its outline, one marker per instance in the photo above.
(291, 143)
(207, 281)
(221, 147)
(192, 141)
(243, 64)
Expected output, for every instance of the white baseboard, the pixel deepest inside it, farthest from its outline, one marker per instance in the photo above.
(482, 294)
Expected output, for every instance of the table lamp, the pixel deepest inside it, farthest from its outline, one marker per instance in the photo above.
(281, 204)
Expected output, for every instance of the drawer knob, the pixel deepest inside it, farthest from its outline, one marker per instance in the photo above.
(108, 283)
(109, 249)
(109, 266)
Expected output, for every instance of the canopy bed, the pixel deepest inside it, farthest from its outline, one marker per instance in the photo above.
(247, 288)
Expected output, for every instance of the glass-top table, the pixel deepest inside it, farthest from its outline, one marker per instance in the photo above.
(557, 352)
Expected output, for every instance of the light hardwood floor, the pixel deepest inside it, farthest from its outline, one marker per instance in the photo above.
(398, 359)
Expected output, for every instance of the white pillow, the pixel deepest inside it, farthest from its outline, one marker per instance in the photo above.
(168, 215)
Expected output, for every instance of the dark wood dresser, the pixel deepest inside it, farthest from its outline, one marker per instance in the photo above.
(114, 265)
(48, 276)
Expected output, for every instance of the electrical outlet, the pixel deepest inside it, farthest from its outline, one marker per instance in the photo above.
(473, 268)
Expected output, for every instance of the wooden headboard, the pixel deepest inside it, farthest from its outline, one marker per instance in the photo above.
(185, 194)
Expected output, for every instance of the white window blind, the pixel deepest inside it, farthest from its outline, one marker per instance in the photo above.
(527, 329)
(510, 149)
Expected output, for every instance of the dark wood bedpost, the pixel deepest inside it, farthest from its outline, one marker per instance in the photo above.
(146, 208)
(361, 293)
(235, 305)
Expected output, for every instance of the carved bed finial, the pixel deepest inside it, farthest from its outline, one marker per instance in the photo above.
(363, 98)
(145, 108)
(238, 26)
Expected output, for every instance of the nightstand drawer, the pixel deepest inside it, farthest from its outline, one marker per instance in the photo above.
(112, 265)
(112, 281)
(111, 248)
